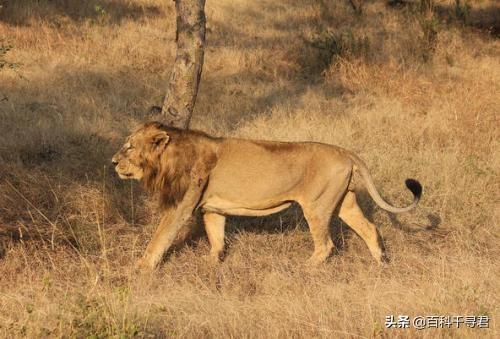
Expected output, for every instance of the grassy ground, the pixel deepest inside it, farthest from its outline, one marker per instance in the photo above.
(414, 93)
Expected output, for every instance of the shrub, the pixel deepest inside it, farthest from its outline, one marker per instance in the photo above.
(345, 44)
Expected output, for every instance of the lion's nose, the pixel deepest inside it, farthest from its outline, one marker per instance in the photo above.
(114, 162)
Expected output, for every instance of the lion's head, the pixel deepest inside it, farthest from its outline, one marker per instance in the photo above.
(162, 158)
(141, 152)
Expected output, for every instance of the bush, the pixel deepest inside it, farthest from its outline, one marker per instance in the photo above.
(345, 44)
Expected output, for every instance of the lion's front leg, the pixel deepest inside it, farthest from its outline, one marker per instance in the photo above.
(163, 237)
(170, 225)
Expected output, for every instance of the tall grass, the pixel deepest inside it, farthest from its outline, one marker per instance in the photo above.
(70, 231)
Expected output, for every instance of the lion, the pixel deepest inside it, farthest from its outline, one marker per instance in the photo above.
(192, 171)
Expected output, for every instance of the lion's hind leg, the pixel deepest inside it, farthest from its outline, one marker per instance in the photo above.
(351, 213)
(319, 227)
(318, 209)
(214, 226)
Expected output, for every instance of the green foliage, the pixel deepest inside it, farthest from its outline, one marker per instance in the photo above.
(101, 14)
(99, 10)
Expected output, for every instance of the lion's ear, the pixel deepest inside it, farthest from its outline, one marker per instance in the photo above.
(160, 139)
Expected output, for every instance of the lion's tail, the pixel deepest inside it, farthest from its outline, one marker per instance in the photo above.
(413, 185)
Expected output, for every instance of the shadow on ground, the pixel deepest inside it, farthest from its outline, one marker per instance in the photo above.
(20, 12)
(484, 19)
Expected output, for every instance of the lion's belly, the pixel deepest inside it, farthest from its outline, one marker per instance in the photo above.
(248, 191)
(219, 205)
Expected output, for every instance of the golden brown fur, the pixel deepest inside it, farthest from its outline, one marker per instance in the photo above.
(191, 170)
(167, 173)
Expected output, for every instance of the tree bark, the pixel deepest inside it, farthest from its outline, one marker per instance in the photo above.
(185, 78)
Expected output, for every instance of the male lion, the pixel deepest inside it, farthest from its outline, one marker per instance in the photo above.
(191, 170)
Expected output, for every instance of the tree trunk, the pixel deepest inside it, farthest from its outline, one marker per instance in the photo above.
(185, 78)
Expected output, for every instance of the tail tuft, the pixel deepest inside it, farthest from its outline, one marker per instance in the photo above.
(415, 187)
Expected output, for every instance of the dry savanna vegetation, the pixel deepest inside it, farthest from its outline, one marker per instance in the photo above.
(414, 90)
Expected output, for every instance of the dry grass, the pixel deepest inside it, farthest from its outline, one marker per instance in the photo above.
(290, 70)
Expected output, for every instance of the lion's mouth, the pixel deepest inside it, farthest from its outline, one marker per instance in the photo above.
(125, 175)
